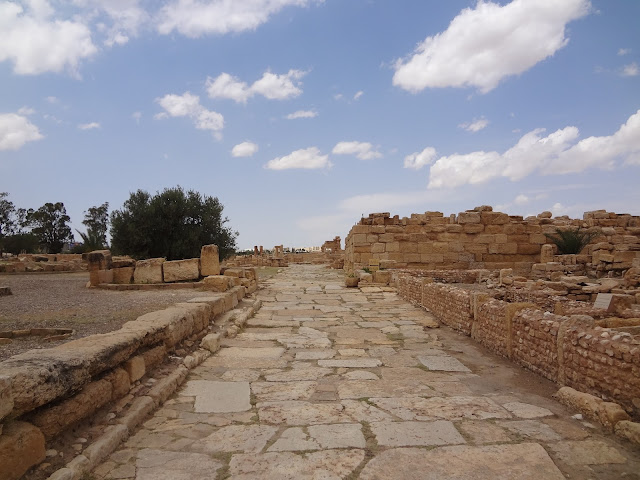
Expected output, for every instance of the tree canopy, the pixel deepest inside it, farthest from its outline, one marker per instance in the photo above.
(173, 224)
(50, 226)
(96, 219)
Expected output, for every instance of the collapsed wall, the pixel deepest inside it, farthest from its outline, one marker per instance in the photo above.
(484, 239)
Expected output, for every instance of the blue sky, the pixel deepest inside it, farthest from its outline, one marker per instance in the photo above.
(301, 115)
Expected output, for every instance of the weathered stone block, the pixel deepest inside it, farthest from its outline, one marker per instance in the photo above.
(381, 276)
(120, 383)
(21, 447)
(123, 275)
(211, 342)
(469, 217)
(149, 271)
(181, 270)
(57, 418)
(234, 272)
(6, 397)
(105, 276)
(494, 218)
(546, 253)
(218, 283)
(135, 367)
(120, 262)
(154, 357)
(209, 260)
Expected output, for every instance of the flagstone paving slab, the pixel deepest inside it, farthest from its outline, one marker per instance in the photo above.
(237, 438)
(526, 461)
(586, 452)
(414, 434)
(356, 363)
(218, 397)
(524, 410)
(448, 408)
(162, 465)
(443, 363)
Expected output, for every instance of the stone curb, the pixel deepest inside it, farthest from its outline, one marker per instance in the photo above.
(114, 435)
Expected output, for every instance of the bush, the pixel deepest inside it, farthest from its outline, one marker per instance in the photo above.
(172, 224)
(21, 243)
(573, 240)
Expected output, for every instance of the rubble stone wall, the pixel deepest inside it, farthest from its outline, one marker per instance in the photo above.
(570, 350)
(451, 305)
(483, 239)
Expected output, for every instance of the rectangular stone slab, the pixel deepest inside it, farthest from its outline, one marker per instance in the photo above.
(218, 397)
(442, 363)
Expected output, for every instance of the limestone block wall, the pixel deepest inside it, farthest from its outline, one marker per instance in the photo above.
(570, 350)
(484, 239)
(61, 262)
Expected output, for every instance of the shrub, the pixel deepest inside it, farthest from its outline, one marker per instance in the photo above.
(572, 241)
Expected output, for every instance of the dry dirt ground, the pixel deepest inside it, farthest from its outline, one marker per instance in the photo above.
(62, 300)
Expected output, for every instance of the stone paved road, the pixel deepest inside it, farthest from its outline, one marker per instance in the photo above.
(327, 383)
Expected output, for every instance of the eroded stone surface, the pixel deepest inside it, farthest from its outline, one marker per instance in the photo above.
(442, 363)
(449, 408)
(414, 434)
(163, 465)
(524, 410)
(237, 438)
(527, 461)
(218, 397)
(586, 452)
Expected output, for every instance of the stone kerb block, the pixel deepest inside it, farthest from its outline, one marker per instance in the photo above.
(234, 272)
(218, 283)
(149, 271)
(6, 397)
(209, 260)
(123, 275)
(181, 270)
(21, 447)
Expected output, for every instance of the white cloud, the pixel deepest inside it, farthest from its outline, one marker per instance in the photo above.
(308, 158)
(188, 105)
(36, 43)
(26, 111)
(557, 153)
(89, 126)
(521, 200)
(624, 51)
(358, 95)
(485, 44)
(137, 116)
(16, 130)
(302, 114)
(195, 18)
(118, 20)
(244, 149)
(362, 150)
(631, 70)
(52, 100)
(338, 96)
(271, 86)
(476, 125)
(417, 160)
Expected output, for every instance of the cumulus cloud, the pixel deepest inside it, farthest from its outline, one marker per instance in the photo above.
(26, 111)
(308, 158)
(624, 51)
(194, 18)
(358, 95)
(89, 126)
(36, 43)
(362, 150)
(475, 126)
(421, 159)
(485, 44)
(556, 153)
(118, 20)
(521, 200)
(244, 149)
(16, 130)
(631, 70)
(137, 116)
(188, 105)
(271, 86)
(302, 114)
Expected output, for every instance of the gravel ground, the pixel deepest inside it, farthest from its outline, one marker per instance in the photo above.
(62, 300)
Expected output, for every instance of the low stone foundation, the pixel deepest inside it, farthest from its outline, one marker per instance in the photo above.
(571, 350)
(45, 392)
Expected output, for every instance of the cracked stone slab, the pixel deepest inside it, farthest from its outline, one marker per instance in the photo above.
(346, 435)
(393, 387)
(525, 461)
(328, 464)
(481, 432)
(443, 363)
(532, 429)
(294, 439)
(416, 434)
(240, 375)
(274, 391)
(162, 465)
(301, 413)
(355, 363)
(242, 363)
(315, 355)
(298, 374)
(363, 412)
(236, 438)
(352, 352)
(240, 352)
(360, 375)
(218, 397)
(524, 410)
(446, 408)
(586, 452)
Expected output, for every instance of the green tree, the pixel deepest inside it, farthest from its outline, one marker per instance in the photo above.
(50, 226)
(7, 210)
(174, 224)
(96, 219)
